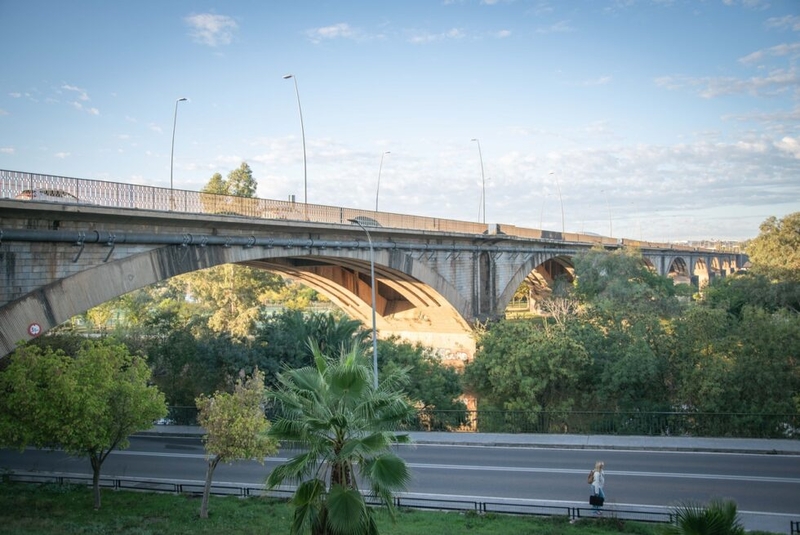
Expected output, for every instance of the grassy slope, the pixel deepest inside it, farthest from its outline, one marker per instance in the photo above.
(52, 509)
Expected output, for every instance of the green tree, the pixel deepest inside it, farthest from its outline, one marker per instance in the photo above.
(229, 296)
(432, 386)
(738, 291)
(241, 182)
(231, 195)
(236, 427)
(746, 366)
(346, 429)
(776, 250)
(216, 185)
(87, 405)
(282, 337)
(629, 304)
(521, 366)
(621, 283)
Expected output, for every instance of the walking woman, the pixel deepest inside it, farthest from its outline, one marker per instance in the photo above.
(598, 481)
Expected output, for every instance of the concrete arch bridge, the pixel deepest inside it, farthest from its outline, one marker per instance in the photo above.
(433, 278)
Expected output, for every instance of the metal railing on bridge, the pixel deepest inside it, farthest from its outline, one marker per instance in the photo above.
(53, 188)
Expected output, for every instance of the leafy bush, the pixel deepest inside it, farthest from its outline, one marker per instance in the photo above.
(717, 518)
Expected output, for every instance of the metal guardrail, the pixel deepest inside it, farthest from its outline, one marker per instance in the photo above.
(195, 487)
(140, 197)
(794, 526)
(695, 424)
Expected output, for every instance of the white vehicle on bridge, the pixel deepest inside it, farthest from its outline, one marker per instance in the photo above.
(49, 195)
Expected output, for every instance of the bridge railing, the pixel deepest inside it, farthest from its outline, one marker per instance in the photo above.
(142, 197)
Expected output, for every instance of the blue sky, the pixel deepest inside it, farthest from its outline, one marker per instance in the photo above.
(648, 119)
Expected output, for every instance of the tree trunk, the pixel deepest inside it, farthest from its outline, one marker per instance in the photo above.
(96, 463)
(212, 464)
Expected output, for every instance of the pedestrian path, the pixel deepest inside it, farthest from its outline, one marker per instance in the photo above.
(600, 442)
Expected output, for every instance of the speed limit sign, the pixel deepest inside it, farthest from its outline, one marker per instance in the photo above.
(34, 329)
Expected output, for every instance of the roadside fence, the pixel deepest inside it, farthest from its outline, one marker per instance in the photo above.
(243, 490)
(694, 424)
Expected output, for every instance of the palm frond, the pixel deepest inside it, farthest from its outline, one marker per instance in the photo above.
(347, 510)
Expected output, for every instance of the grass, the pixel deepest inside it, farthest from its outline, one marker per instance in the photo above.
(27, 508)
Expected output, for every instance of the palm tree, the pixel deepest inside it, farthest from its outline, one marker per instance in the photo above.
(345, 429)
(718, 518)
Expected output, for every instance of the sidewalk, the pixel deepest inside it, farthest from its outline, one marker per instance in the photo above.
(600, 442)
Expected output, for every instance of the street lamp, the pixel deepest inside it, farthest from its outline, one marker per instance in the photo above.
(372, 284)
(378, 189)
(303, 134)
(172, 152)
(561, 200)
(483, 179)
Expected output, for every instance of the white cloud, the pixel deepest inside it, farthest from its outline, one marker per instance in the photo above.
(772, 83)
(790, 49)
(420, 37)
(82, 95)
(789, 22)
(559, 27)
(61, 155)
(790, 145)
(7, 150)
(341, 30)
(210, 29)
(602, 80)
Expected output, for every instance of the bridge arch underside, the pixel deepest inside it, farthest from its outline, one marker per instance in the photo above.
(412, 301)
(699, 270)
(542, 277)
(404, 305)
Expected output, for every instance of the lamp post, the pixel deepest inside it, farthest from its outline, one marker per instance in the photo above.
(172, 153)
(483, 180)
(303, 134)
(378, 189)
(372, 284)
(560, 200)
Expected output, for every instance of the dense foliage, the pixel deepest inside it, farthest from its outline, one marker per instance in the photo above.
(621, 339)
(236, 427)
(776, 250)
(87, 404)
(345, 428)
(636, 344)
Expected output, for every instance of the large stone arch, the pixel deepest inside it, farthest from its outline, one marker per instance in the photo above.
(538, 272)
(678, 270)
(701, 272)
(411, 299)
(414, 303)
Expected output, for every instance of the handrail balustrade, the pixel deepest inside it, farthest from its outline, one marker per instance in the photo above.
(141, 197)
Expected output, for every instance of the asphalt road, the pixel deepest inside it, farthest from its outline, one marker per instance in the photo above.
(768, 485)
